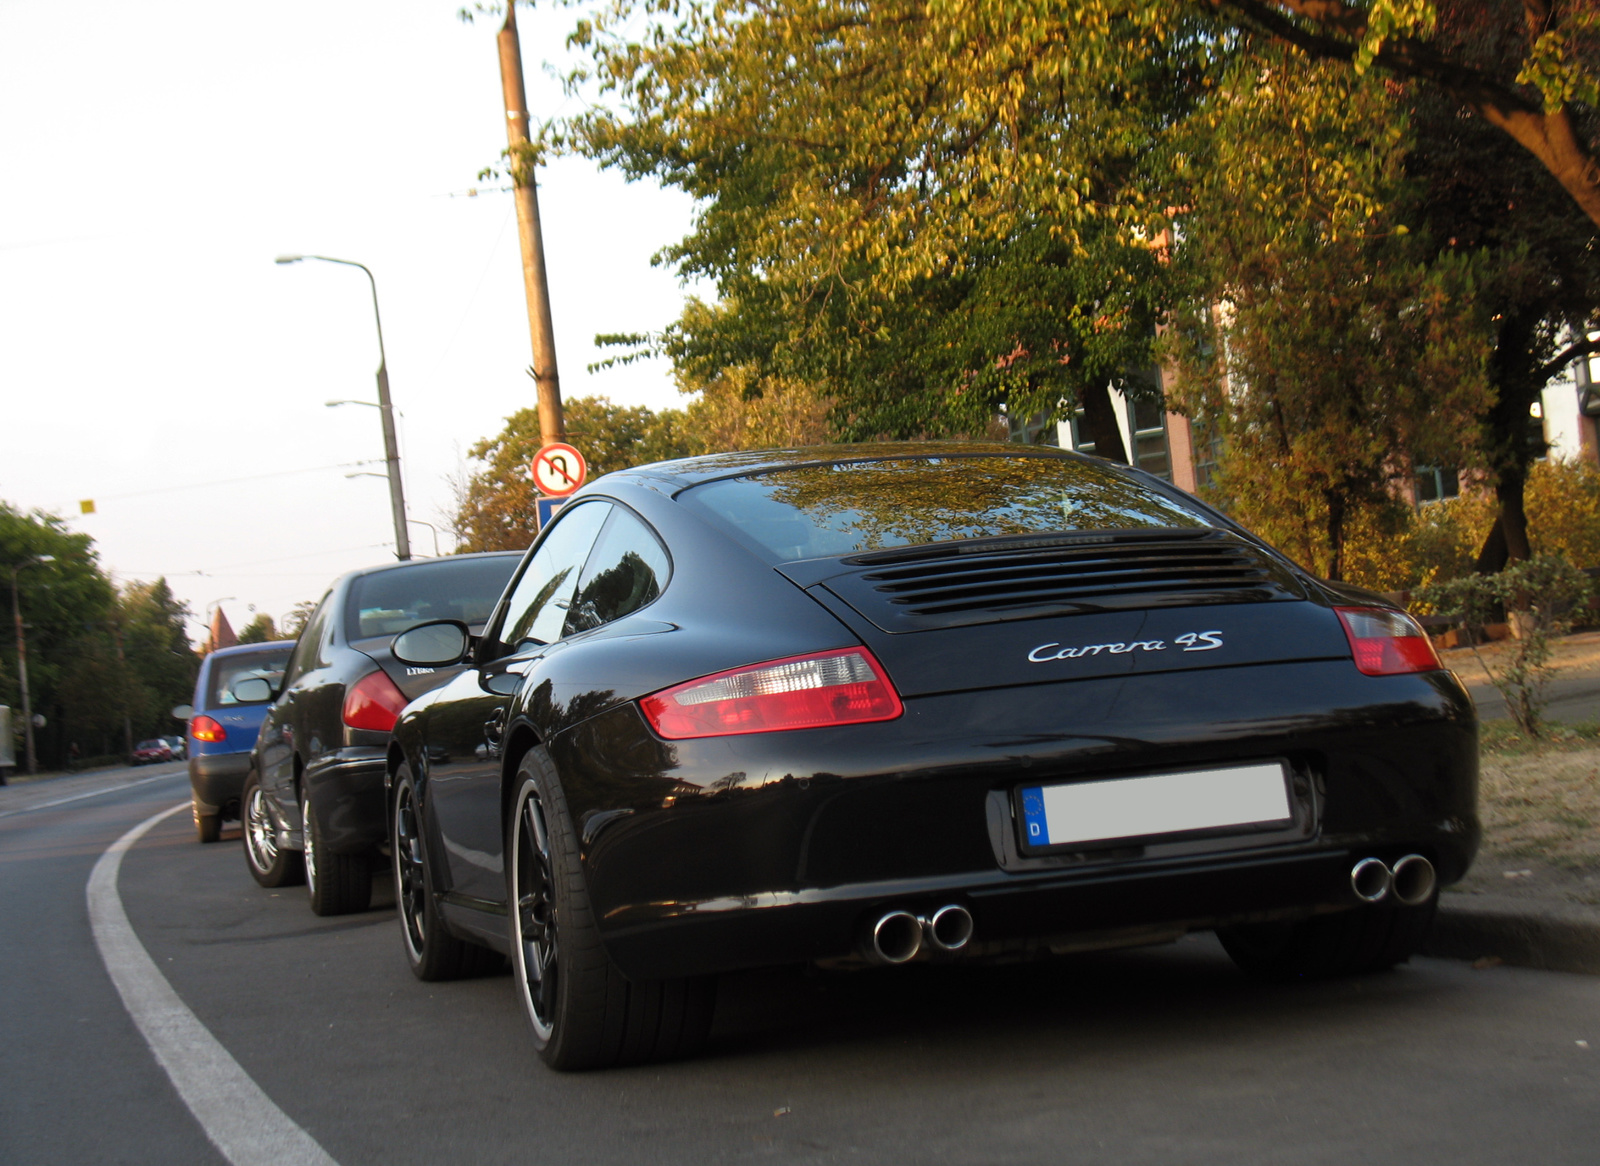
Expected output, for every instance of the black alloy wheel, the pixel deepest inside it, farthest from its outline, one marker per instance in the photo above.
(269, 865)
(583, 1012)
(339, 884)
(1346, 943)
(432, 952)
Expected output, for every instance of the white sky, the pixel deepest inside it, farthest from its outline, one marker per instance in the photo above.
(155, 157)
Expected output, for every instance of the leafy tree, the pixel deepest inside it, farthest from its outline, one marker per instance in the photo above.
(65, 605)
(934, 209)
(1538, 286)
(1528, 68)
(260, 630)
(295, 622)
(159, 660)
(927, 213)
(1330, 349)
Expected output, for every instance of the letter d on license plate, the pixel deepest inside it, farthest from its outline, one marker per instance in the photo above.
(1248, 797)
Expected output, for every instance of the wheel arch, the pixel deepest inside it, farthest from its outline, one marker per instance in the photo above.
(519, 741)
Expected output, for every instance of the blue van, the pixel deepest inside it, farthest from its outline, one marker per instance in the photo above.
(223, 728)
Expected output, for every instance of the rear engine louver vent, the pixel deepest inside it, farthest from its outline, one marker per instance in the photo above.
(956, 584)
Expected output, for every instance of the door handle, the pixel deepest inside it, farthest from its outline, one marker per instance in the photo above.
(495, 726)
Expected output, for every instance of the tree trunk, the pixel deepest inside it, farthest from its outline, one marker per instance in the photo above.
(1492, 557)
(1334, 532)
(1100, 423)
(1513, 521)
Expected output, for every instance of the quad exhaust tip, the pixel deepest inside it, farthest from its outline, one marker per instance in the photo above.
(1370, 879)
(1412, 880)
(949, 928)
(897, 936)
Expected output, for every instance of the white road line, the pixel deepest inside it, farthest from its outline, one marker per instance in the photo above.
(241, 1120)
(94, 793)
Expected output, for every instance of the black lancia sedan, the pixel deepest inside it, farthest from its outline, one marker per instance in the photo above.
(312, 804)
(876, 704)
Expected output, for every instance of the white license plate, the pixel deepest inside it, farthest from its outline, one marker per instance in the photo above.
(1167, 803)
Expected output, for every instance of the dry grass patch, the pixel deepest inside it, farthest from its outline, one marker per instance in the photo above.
(1541, 800)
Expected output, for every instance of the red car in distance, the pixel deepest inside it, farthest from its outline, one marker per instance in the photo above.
(152, 752)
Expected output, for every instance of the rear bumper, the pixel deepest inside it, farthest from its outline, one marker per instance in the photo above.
(217, 780)
(718, 854)
(1099, 909)
(347, 789)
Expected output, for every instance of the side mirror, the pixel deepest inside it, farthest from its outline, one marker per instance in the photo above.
(183, 712)
(252, 690)
(433, 645)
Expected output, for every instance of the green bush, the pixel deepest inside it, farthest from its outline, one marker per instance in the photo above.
(1538, 597)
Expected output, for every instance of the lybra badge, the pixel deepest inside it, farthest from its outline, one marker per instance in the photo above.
(1187, 642)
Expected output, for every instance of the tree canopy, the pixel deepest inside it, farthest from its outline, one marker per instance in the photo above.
(104, 664)
(930, 210)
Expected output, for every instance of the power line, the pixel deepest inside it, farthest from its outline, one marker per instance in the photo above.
(231, 481)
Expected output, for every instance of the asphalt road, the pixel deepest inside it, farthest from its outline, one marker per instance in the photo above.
(1163, 1055)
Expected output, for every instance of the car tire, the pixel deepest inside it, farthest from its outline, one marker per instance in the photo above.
(1365, 939)
(584, 1014)
(207, 827)
(433, 953)
(270, 865)
(340, 884)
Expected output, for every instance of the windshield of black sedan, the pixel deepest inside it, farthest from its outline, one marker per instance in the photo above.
(849, 507)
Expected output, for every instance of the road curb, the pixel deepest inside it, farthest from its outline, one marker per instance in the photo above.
(1558, 937)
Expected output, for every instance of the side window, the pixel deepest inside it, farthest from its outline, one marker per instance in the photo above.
(538, 604)
(627, 569)
(308, 652)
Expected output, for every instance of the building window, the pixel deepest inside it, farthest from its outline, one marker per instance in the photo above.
(1036, 430)
(1147, 421)
(1435, 484)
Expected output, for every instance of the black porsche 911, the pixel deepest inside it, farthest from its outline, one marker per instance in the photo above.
(887, 703)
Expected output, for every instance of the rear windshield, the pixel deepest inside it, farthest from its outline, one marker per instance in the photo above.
(386, 603)
(849, 507)
(226, 671)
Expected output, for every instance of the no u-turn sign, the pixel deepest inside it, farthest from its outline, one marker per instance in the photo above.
(558, 470)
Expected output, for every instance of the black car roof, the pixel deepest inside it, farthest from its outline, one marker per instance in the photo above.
(679, 475)
(400, 566)
(250, 649)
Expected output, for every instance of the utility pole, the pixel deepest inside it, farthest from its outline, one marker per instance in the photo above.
(552, 427)
(122, 665)
(22, 675)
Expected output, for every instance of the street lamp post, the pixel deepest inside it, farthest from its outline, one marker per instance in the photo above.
(22, 662)
(391, 445)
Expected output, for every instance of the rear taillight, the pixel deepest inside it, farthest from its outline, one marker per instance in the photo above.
(373, 703)
(1387, 643)
(845, 687)
(205, 729)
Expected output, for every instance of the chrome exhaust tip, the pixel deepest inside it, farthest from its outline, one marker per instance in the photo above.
(1370, 880)
(1414, 880)
(948, 929)
(896, 937)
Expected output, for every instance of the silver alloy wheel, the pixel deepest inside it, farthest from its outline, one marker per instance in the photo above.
(310, 847)
(259, 837)
(534, 933)
(410, 885)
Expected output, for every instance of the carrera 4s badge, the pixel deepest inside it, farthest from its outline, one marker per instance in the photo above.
(1187, 642)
